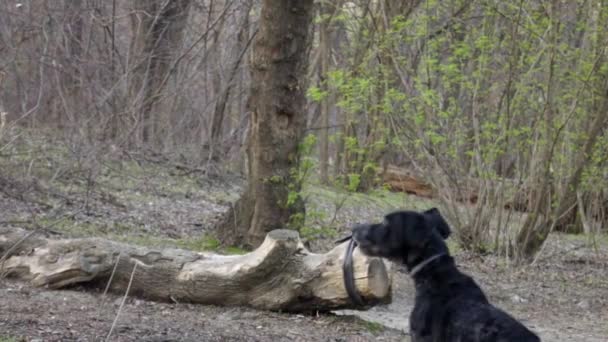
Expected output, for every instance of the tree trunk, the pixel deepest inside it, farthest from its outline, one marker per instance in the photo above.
(215, 52)
(280, 275)
(157, 35)
(339, 144)
(72, 77)
(277, 122)
(325, 56)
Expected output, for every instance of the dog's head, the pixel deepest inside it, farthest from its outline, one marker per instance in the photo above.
(406, 236)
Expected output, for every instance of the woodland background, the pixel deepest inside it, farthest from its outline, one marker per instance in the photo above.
(498, 109)
(203, 124)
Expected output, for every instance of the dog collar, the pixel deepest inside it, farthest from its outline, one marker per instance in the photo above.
(421, 265)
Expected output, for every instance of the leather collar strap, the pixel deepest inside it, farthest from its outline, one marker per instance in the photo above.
(348, 274)
(421, 265)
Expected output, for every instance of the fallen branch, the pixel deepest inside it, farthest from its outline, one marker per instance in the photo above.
(280, 275)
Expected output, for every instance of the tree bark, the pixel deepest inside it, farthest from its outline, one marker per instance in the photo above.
(276, 126)
(280, 275)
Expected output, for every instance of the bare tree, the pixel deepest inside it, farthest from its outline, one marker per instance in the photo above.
(278, 118)
(240, 48)
(158, 30)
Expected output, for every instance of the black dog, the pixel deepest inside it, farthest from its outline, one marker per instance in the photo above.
(450, 306)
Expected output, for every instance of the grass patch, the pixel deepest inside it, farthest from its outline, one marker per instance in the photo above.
(373, 327)
(601, 239)
(73, 228)
(126, 233)
(8, 339)
(144, 240)
(202, 243)
(379, 198)
(234, 250)
(316, 232)
(324, 202)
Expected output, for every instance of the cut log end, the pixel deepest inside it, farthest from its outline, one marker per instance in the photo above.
(378, 280)
(371, 279)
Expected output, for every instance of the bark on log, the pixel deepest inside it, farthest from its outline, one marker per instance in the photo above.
(280, 275)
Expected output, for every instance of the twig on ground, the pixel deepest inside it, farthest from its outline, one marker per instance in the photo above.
(122, 304)
(107, 288)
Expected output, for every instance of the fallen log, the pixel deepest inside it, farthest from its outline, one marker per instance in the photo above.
(280, 275)
(400, 180)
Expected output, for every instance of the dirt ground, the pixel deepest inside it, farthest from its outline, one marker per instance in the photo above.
(563, 297)
(32, 314)
(556, 307)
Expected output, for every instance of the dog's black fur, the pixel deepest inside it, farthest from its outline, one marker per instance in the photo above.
(449, 305)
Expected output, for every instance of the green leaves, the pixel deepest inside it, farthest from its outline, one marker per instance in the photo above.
(316, 94)
(354, 180)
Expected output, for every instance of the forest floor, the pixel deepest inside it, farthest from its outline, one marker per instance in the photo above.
(563, 296)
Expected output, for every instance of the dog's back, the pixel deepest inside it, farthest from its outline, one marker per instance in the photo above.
(450, 306)
(479, 322)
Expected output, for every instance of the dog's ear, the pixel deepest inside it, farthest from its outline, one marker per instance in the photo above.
(437, 222)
